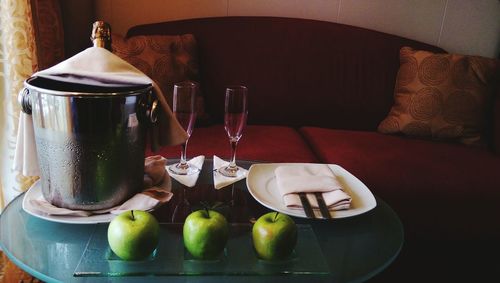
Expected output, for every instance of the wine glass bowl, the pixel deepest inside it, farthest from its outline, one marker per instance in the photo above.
(235, 118)
(184, 98)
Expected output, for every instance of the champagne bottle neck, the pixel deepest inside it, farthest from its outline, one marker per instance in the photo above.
(101, 42)
(101, 35)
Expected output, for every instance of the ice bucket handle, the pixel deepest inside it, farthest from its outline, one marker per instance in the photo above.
(24, 100)
(152, 113)
(148, 109)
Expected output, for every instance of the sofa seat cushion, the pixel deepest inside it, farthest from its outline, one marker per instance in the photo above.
(263, 143)
(440, 190)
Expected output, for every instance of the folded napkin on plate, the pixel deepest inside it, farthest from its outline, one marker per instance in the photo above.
(99, 67)
(310, 178)
(156, 192)
(189, 180)
(221, 181)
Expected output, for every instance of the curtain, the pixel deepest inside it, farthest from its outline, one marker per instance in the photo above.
(17, 62)
(32, 38)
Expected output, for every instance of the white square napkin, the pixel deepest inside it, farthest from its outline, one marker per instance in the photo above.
(147, 200)
(309, 179)
(221, 181)
(189, 180)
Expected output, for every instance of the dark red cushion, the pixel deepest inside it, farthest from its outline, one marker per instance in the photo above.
(264, 143)
(440, 190)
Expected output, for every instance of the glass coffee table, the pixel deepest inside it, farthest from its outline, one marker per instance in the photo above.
(351, 249)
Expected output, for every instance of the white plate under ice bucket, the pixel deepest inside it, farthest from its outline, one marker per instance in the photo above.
(35, 192)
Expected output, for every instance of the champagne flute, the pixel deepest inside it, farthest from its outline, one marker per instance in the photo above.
(235, 118)
(185, 112)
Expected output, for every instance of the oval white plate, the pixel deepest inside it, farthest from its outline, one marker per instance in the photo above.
(35, 192)
(261, 183)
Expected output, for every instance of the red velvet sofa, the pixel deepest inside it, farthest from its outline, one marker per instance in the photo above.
(317, 92)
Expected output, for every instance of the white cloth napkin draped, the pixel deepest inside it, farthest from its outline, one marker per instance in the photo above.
(189, 180)
(221, 181)
(100, 67)
(157, 186)
(309, 179)
(25, 156)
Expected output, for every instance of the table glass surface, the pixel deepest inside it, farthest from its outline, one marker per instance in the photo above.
(354, 249)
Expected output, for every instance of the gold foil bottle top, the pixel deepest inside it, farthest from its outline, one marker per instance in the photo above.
(101, 35)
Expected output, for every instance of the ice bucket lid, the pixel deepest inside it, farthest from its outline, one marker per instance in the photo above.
(79, 86)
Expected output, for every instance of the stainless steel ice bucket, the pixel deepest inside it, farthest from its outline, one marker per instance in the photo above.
(90, 140)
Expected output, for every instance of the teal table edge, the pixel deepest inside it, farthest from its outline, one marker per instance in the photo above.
(393, 258)
(19, 263)
(380, 205)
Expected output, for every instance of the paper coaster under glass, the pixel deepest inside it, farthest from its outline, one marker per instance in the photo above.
(172, 259)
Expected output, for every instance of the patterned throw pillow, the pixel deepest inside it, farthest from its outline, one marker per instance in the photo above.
(441, 96)
(166, 59)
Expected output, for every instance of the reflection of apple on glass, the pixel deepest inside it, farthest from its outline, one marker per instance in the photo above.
(274, 236)
(205, 233)
(133, 235)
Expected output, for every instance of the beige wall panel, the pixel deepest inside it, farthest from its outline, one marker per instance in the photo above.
(472, 27)
(416, 19)
(128, 13)
(325, 10)
(464, 26)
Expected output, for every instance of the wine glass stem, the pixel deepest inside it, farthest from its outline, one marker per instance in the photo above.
(234, 143)
(183, 161)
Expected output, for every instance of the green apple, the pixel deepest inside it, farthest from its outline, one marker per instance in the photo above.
(274, 236)
(133, 235)
(205, 233)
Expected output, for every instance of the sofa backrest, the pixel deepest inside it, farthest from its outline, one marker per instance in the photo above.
(299, 72)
